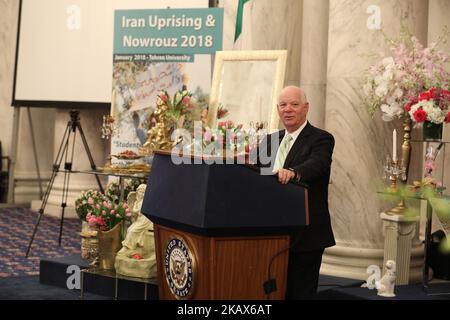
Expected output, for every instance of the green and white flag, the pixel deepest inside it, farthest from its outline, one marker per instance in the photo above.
(243, 33)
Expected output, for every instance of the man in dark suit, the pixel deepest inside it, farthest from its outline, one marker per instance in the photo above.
(303, 154)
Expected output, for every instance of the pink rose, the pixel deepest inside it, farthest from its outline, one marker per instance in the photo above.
(117, 215)
(91, 220)
(90, 201)
(163, 97)
(113, 211)
(186, 100)
(124, 205)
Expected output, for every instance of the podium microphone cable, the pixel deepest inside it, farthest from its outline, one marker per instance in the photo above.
(271, 284)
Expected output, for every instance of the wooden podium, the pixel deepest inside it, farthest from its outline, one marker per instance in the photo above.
(221, 231)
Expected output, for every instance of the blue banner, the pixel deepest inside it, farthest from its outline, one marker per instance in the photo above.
(168, 31)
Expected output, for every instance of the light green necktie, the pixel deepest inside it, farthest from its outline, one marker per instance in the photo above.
(283, 152)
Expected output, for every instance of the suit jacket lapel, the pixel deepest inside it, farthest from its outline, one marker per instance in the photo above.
(297, 144)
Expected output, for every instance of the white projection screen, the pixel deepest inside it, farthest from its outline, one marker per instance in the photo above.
(64, 52)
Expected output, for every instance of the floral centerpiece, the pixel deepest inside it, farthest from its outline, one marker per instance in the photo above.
(106, 215)
(107, 218)
(87, 201)
(391, 83)
(431, 108)
(182, 110)
(179, 112)
(226, 136)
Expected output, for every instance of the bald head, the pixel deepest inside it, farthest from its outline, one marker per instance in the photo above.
(292, 107)
(294, 90)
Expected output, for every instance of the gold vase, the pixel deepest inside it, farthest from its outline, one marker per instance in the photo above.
(89, 246)
(109, 243)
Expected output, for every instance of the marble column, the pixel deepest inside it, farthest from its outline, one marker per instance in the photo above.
(91, 121)
(361, 142)
(275, 26)
(229, 22)
(313, 76)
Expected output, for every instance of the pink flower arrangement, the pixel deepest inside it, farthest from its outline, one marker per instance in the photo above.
(181, 106)
(393, 83)
(87, 202)
(107, 215)
(226, 135)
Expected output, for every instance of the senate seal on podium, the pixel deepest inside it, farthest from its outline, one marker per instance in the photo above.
(179, 268)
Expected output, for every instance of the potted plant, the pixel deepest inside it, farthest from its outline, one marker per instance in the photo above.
(107, 218)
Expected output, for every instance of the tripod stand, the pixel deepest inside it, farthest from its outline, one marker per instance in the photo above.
(63, 153)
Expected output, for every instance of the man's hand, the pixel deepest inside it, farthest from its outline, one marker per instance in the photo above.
(285, 175)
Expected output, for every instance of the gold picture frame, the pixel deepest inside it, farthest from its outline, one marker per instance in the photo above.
(247, 84)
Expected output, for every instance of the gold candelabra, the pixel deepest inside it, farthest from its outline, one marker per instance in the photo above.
(395, 170)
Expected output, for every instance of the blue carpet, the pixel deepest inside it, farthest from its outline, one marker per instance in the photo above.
(29, 288)
(16, 227)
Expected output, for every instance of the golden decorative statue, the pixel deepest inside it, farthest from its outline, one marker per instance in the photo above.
(158, 137)
(137, 258)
